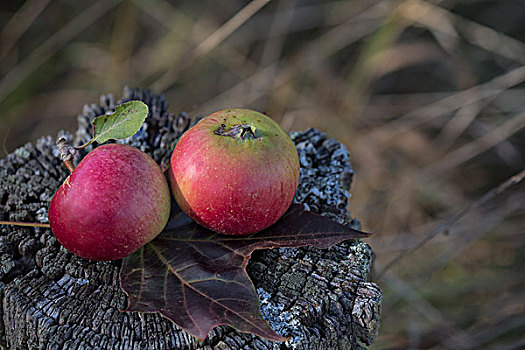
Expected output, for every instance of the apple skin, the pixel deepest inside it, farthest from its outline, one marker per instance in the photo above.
(234, 184)
(115, 201)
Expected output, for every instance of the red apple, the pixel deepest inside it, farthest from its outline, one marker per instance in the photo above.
(115, 201)
(235, 172)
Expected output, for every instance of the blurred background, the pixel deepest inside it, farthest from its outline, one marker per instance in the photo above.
(428, 97)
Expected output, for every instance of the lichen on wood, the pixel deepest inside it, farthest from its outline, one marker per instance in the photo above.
(52, 299)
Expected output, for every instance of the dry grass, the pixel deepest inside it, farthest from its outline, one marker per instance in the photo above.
(428, 96)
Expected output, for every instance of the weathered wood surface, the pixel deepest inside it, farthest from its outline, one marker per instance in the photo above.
(51, 299)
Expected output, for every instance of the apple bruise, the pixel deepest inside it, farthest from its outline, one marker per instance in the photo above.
(235, 172)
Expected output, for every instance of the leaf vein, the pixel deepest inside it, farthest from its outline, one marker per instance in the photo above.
(184, 283)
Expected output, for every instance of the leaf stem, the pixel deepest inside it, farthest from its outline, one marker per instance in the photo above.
(78, 148)
(29, 224)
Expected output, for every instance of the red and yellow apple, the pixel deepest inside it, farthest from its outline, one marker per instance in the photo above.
(235, 172)
(115, 201)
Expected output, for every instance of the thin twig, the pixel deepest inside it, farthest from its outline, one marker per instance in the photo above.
(475, 147)
(4, 141)
(41, 54)
(450, 103)
(452, 220)
(433, 16)
(458, 124)
(19, 23)
(483, 224)
(487, 331)
(173, 19)
(274, 43)
(26, 224)
(454, 340)
(347, 33)
(212, 41)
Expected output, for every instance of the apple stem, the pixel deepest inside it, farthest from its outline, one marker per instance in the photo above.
(248, 129)
(29, 224)
(243, 132)
(67, 153)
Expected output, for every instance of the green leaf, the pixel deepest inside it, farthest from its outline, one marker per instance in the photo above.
(123, 123)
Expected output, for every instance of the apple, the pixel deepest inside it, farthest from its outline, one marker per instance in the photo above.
(235, 172)
(115, 201)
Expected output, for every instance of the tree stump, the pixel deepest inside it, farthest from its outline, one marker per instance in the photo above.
(52, 299)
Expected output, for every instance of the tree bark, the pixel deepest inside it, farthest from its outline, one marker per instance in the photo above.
(52, 299)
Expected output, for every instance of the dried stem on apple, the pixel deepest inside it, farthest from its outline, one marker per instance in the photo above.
(243, 132)
(67, 153)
